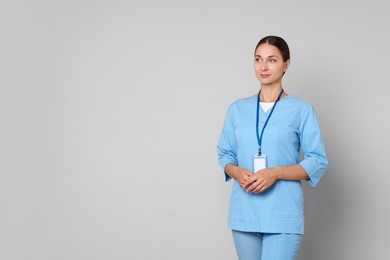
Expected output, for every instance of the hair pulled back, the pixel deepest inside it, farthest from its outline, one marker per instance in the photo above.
(279, 43)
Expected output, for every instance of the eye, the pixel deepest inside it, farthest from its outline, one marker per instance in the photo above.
(272, 60)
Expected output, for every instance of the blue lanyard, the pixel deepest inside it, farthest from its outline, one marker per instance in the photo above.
(259, 139)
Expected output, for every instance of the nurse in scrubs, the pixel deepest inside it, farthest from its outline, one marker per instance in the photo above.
(259, 149)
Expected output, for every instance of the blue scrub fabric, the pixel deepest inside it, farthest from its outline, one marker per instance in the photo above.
(292, 127)
(266, 246)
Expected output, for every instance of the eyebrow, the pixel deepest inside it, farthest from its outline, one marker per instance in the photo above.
(272, 56)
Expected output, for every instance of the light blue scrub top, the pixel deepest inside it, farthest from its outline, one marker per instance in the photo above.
(292, 126)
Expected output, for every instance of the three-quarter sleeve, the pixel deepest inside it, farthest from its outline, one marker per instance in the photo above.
(227, 145)
(314, 156)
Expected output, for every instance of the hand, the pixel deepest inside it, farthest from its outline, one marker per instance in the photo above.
(261, 180)
(242, 175)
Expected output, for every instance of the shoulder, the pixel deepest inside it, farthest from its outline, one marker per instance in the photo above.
(303, 112)
(243, 103)
(295, 103)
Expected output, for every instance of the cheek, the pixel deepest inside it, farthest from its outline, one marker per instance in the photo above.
(279, 69)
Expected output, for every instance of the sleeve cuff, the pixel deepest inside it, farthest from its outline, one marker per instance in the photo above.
(313, 170)
(223, 163)
(227, 178)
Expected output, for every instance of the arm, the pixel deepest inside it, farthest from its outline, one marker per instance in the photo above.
(240, 174)
(291, 173)
(311, 168)
(315, 160)
(265, 178)
(227, 146)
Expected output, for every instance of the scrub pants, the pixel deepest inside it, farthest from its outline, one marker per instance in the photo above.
(266, 246)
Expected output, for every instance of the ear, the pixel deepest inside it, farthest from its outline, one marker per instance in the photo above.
(286, 65)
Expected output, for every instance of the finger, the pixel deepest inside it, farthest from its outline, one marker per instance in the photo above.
(253, 187)
(250, 182)
(248, 187)
(247, 182)
(243, 183)
(263, 187)
(253, 179)
(257, 190)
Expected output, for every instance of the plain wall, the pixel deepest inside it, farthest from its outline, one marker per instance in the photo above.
(111, 112)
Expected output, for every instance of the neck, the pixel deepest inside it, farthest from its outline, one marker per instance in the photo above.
(270, 93)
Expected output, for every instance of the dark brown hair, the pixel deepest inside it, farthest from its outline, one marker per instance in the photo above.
(279, 43)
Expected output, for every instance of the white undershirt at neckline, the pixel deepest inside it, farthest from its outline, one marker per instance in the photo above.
(266, 105)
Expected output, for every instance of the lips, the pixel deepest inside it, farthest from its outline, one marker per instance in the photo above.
(265, 75)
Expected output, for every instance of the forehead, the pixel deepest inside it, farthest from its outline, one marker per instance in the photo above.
(267, 50)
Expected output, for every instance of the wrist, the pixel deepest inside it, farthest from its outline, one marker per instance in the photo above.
(278, 173)
(231, 169)
(234, 171)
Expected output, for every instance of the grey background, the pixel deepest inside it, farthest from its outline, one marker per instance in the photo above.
(111, 112)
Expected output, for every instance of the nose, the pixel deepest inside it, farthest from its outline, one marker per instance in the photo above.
(263, 67)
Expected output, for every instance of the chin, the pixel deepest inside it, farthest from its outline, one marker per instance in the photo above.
(266, 82)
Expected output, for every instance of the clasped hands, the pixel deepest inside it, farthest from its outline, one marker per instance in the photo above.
(256, 182)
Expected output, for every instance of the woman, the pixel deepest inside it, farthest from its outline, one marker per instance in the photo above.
(260, 149)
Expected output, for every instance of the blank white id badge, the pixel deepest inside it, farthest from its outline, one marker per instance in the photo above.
(259, 162)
